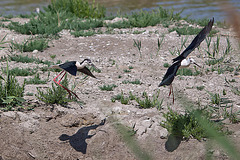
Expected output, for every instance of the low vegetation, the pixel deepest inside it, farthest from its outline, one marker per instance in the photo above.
(187, 72)
(54, 95)
(85, 19)
(25, 59)
(36, 80)
(143, 101)
(2, 42)
(11, 92)
(187, 125)
(136, 81)
(20, 71)
(108, 87)
(30, 45)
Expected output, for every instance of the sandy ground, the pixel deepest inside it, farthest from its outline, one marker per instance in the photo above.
(72, 132)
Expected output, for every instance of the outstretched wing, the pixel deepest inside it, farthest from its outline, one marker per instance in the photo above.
(196, 41)
(70, 67)
(170, 74)
(86, 71)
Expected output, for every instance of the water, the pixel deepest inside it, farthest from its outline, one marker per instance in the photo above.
(16, 7)
(196, 8)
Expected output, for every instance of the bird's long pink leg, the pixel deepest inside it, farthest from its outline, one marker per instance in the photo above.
(69, 91)
(170, 90)
(61, 77)
(173, 95)
(57, 76)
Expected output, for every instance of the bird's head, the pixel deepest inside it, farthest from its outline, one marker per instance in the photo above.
(192, 61)
(87, 62)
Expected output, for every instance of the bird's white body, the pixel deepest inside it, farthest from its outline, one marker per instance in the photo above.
(77, 64)
(186, 62)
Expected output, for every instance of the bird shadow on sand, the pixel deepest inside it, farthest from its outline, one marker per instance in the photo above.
(172, 143)
(78, 140)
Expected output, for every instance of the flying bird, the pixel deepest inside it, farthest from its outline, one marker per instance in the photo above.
(72, 67)
(196, 41)
(182, 61)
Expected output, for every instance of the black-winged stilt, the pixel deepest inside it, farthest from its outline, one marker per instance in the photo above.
(72, 67)
(182, 61)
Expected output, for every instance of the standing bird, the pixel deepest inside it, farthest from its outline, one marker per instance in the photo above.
(72, 67)
(182, 61)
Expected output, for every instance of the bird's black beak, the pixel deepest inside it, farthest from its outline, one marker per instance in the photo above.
(197, 65)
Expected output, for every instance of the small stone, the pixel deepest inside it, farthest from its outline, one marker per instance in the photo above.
(35, 51)
(216, 153)
(117, 110)
(141, 130)
(237, 133)
(10, 114)
(163, 133)
(23, 116)
(70, 121)
(147, 123)
(35, 116)
(31, 125)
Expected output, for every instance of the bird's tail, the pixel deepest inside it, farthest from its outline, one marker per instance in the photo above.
(162, 84)
(54, 67)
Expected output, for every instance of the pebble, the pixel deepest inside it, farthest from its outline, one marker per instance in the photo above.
(35, 51)
(163, 133)
(10, 114)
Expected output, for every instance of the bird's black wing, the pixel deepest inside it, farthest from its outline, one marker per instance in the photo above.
(196, 41)
(86, 71)
(170, 74)
(70, 67)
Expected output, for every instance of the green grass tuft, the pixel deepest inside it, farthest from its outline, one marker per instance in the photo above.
(121, 98)
(108, 87)
(126, 70)
(36, 80)
(200, 88)
(31, 45)
(187, 72)
(187, 125)
(20, 71)
(146, 102)
(2, 42)
(80, 8)
(11, 92)
(137, 81)
(54, 95)
(26, 59)
(166, 65)
(83, 33)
